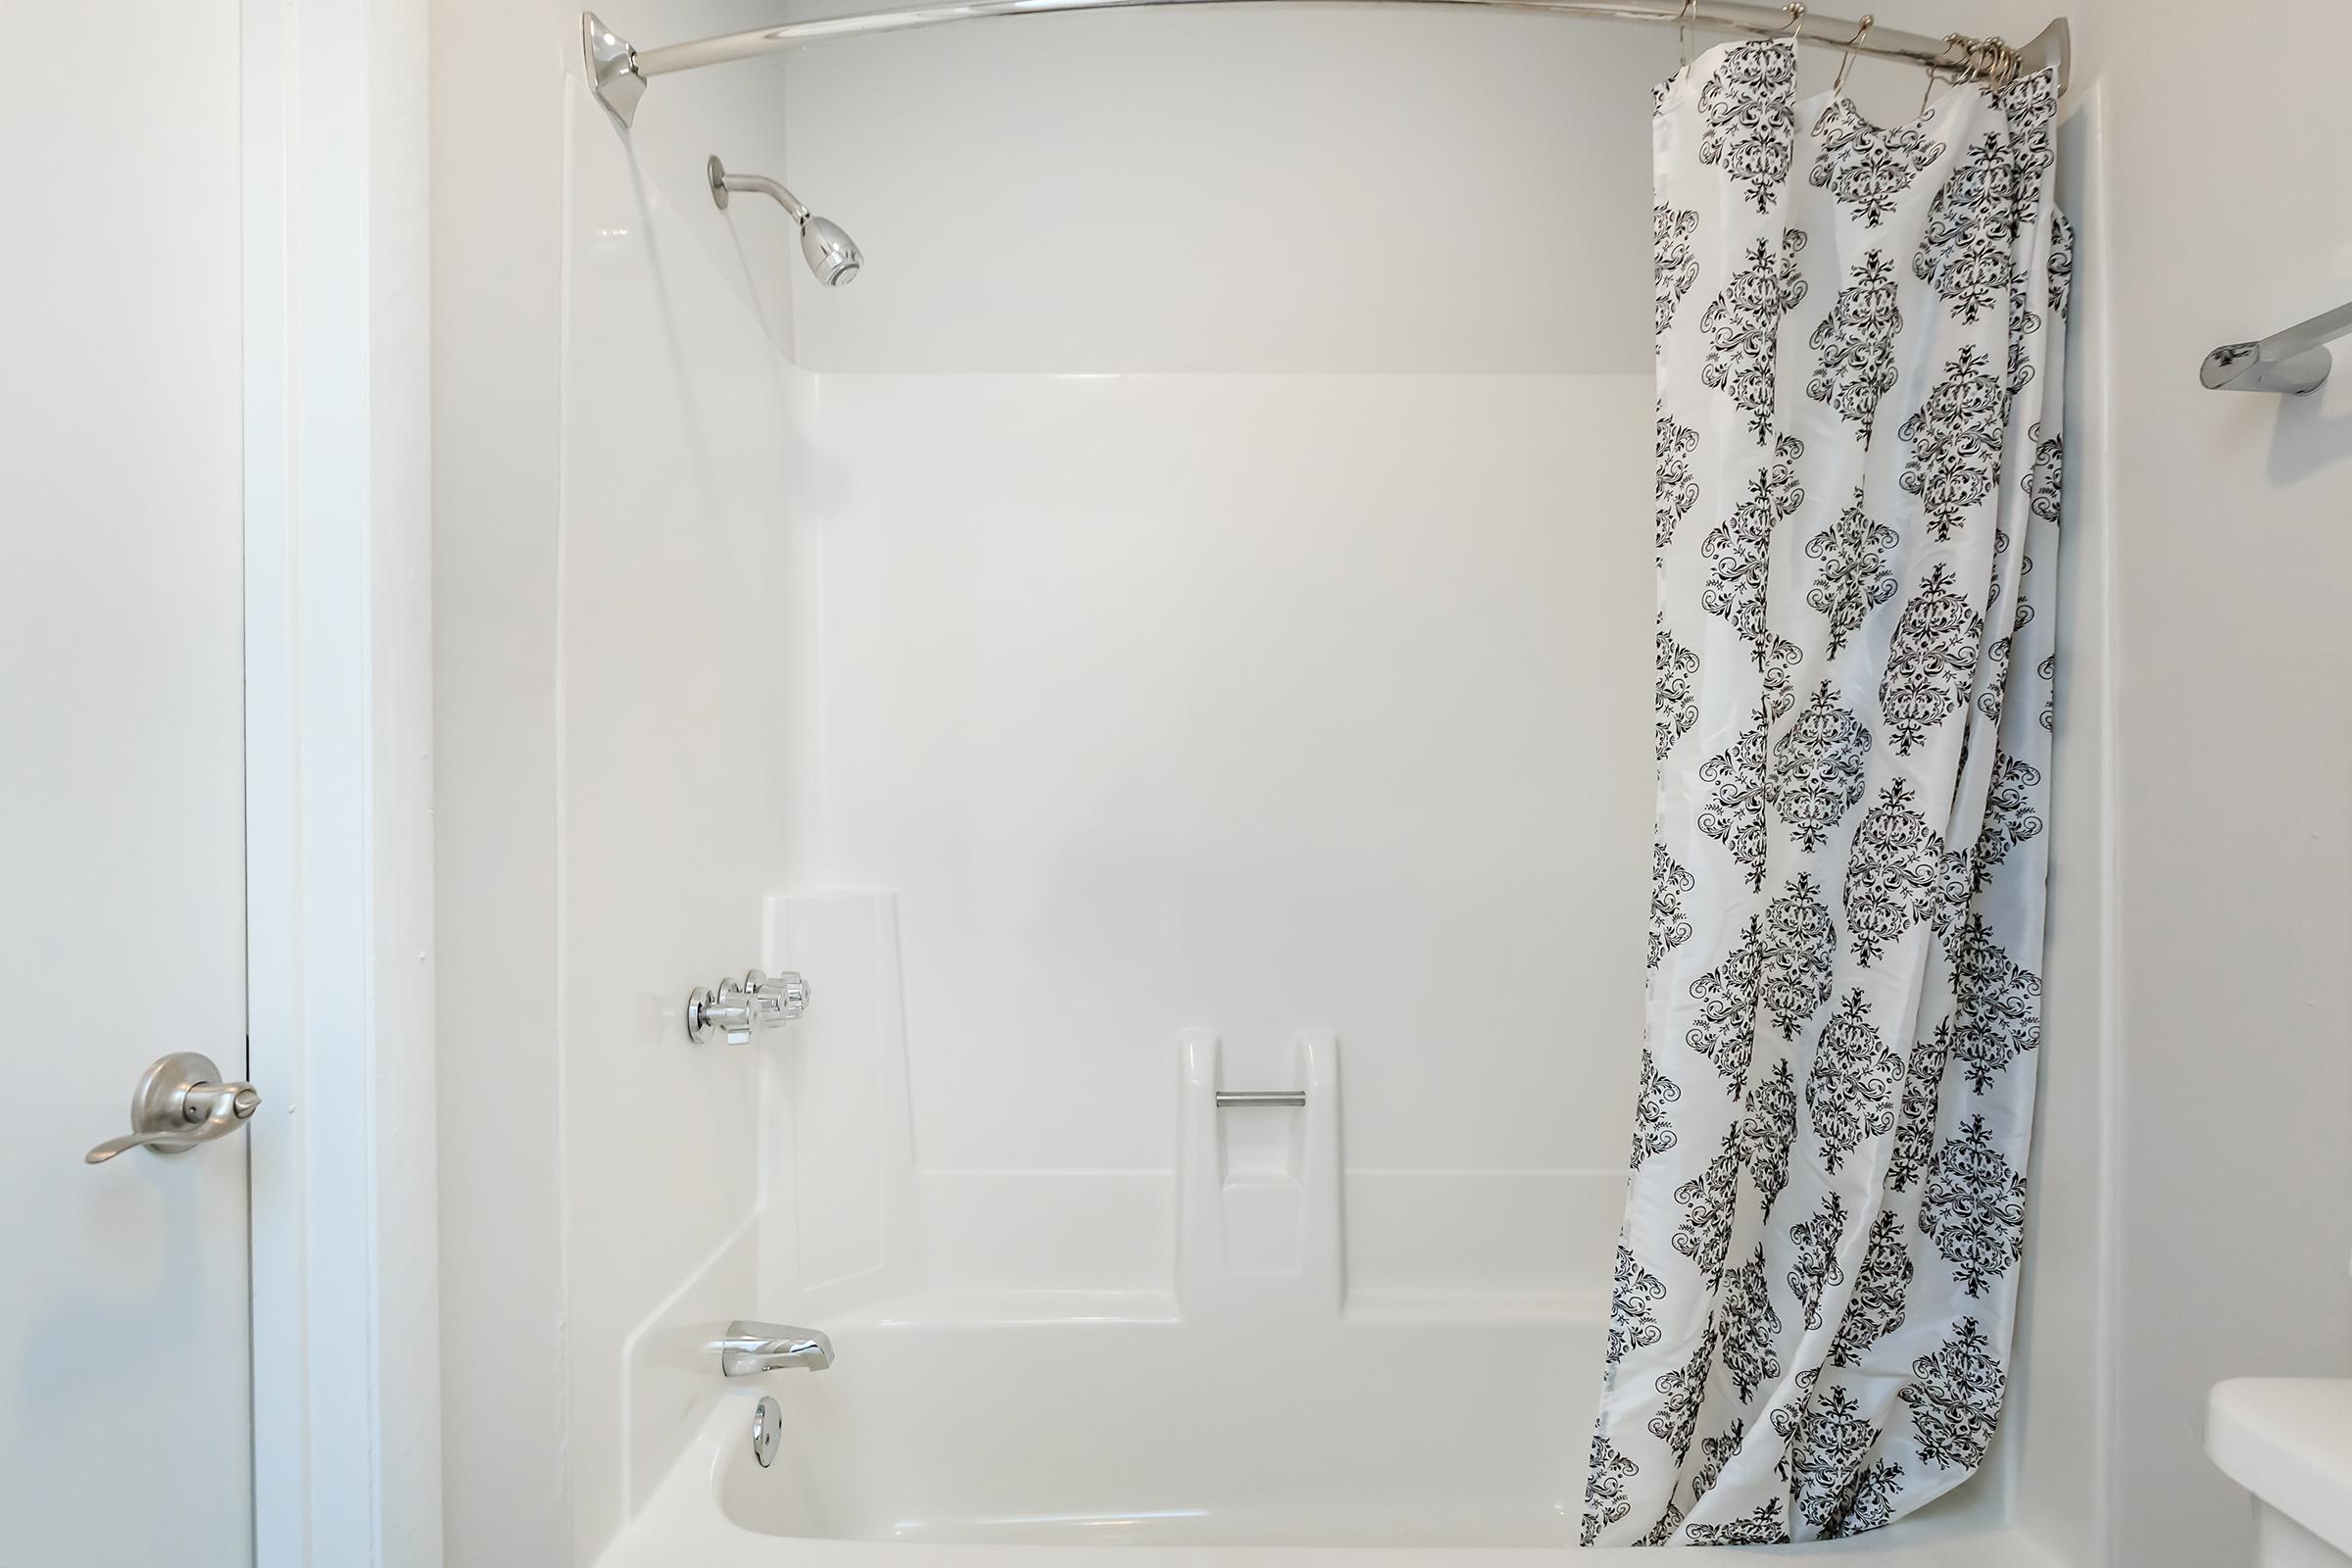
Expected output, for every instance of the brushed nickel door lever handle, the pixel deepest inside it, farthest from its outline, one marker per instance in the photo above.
(180, 1102)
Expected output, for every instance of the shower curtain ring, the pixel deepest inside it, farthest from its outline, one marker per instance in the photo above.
(1959, 43)
(1796, 18)
(1681, 29)
(1861, 31)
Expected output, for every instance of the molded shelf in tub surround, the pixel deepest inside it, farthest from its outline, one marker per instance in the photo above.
(1257, 1187)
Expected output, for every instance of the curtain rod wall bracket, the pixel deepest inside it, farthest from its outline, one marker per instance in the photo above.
(612, 74)
(617, 73)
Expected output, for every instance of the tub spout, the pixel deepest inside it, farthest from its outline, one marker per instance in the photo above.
(750, 1348)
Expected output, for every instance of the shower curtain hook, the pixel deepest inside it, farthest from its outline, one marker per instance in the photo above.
(1796, 18)
(1951, 40)
(1861, 31)
(1681, 29)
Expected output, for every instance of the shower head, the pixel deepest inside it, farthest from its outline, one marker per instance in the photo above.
(832, 255)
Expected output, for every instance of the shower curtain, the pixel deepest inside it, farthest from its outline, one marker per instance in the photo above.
(1858, 366)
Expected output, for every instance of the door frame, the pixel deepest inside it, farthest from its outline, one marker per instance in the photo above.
(338, 731)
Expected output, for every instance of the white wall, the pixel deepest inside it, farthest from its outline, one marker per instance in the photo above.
(2231, 733)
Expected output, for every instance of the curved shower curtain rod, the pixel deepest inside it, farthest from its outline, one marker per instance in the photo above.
(617, 71)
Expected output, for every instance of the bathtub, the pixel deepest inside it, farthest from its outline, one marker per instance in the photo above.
(1082, 1443)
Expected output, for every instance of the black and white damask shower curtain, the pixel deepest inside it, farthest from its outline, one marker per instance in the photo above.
(1859, 336)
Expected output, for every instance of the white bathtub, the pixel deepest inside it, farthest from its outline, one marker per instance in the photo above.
(935, 1444)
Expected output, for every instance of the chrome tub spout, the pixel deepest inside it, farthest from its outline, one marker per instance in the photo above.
(750, 1348)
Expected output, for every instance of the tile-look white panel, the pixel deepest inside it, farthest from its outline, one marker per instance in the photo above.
(1251, 703)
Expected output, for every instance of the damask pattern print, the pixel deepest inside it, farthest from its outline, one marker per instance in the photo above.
(1975, 1208)
(1725, 1029)
(2062, 266)
(1713, 1454)
(1668, 882)
(1750, 119)
(1996, 682)
(1930, 663)
(1997, 1014)
(1676, 490)
(1956, 439)
(1674, 266)
(1868, 169)
(1677, 701)
(1816, 1283)
(1915, 1125)
(1871, 1503)
(1739, 550)
(1633, 1307)
(1816, 1239)
(1761, 1528)
(2022, 323)
(1653, 1133)
(1787, 1419)
(1735, 811)
(1880, 1289)
(1855, 343)
(1854, 579)
(1801, 946)
(1827, 1460)
(1605, 1502)
(1749, 1326)
(1818, 766)
(2031, 106)
(1707, 1200)
(1971, 232)
(1742, 327)
(1780, 659)
(1683, 1387)
(2045, 478)
(2012, 815)
(1767, 1129)
(1891, 872)
(1851, 1089)
(1956, 1400)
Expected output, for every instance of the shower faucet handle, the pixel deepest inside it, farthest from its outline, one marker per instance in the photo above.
(733, 1010)
(776, 999)
(721, 1013)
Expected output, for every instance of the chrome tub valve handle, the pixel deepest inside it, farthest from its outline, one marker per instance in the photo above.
(733, 1010)
(776, 999)
(180, 1102)
(723, 1012)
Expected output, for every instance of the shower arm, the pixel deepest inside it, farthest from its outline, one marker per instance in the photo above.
(722, 182)
(617, 71)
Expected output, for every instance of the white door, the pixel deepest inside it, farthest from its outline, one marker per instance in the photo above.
(125, 1432)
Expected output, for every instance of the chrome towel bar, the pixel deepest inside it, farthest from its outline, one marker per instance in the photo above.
(1260, 1096)
(2294, 361)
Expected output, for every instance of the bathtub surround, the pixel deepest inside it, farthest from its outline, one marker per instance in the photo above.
(1859, 368)
(1229, 700)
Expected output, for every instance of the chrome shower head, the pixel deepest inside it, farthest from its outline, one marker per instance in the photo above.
(832, 255)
